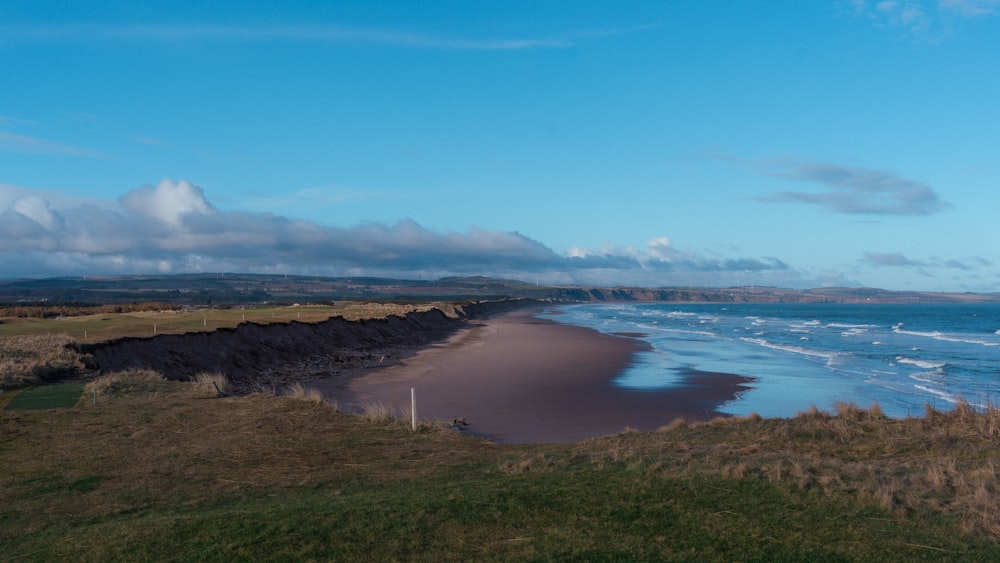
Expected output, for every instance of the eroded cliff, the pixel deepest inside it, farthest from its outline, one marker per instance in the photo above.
(311, 349)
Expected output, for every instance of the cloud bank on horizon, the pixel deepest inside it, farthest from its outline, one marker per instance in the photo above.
(172, 227)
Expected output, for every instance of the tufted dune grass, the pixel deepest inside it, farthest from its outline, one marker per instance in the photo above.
(30, 359)
(166, 470)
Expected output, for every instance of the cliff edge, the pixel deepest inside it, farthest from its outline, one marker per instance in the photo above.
(284, 352)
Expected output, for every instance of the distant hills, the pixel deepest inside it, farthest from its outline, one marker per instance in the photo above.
(226, 289)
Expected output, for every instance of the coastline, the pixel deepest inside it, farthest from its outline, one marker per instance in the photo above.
(516, 378)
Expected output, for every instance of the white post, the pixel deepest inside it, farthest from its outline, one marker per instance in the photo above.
(204, 322)
(413, 408)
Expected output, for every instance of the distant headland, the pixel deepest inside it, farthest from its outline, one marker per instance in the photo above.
(222, 289)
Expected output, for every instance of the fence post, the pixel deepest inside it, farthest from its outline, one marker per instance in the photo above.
(413, 409)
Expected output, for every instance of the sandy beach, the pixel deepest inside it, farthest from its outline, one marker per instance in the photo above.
(519, 379)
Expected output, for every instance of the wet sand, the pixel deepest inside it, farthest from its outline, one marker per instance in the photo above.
(519, 379)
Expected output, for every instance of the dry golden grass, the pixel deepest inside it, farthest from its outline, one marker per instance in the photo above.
(371, 310)
(214, 383)
(944, 462)
(132, 382)
(32, 359)
(303, 393)
(674, 425)
(378, 413)
(105, 326)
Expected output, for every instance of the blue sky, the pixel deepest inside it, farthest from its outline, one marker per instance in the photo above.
(795, 144)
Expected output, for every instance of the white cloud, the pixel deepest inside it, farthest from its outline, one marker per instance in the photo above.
(899, 260)
(855, 190)
(895, 259)
(907, 14)
(661, 256)
(659, 247)
(323, 34)
(923, 19)
(173, 227)
(11, 142)
(30, 144)
(6, 119)
(330, 34)
(10, 193)
(168, 202)
(38, 210)
(972, 8)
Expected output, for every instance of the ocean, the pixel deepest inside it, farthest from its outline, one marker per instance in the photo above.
(901, 356)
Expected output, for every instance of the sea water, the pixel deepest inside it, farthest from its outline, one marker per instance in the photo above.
(901, 356)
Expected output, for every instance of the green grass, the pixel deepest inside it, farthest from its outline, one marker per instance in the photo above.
(523, 517)
(61, 396)
(161, 470)
(108, 326)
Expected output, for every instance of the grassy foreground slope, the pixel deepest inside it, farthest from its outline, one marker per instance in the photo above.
(168, 471)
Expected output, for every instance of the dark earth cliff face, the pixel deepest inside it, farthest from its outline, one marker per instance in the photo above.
(250, 350)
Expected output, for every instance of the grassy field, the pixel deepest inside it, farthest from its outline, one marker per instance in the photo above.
(108, 326)
(160, 470)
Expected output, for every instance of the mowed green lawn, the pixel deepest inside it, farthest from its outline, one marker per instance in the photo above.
(59, 396)
(163, 470)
